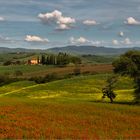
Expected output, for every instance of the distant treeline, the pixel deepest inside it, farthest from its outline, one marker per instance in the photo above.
(59, 59)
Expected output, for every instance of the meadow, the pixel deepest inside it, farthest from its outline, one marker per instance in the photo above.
(68, 109)
(42, 70)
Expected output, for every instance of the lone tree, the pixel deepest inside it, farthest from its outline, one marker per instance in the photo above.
(129, 64)
(108, 90)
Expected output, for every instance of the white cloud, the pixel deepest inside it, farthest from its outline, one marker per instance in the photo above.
(72, 40)
(115, 42)
(66, 20)
(53, 16)
(127, 41)
(96, 43)
(121, 34)
(80, 40)
(90, 22)
(57, 17)
(32, 38)
(2, 19)
(132, 21)
(62, 27)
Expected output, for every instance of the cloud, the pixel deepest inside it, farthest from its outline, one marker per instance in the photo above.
(127, 41)
(64, 23)
(80, 40)
(2, 19)
(66, 20)
(96, 43)
(62, 27)
(115, 42)
(53, 16)
(132, 21)
(30, 38)
(121, 34)
(90, 22)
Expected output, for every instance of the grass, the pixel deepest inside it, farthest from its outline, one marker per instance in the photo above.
(89, 88)
(98, 59)
(40, 70)
(24, 68)
(68, 109)
(15, 86)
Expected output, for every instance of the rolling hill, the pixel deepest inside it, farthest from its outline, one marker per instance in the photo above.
(92, 50)
(68, 109)
(15, 50)
(78, 50)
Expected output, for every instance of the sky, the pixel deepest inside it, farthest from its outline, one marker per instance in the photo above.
(42, 24)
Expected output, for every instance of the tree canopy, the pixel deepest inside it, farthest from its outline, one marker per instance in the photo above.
(129, 64)
(108, 90)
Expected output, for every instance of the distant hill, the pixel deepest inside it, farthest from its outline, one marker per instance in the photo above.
(15, 50)
(98, 59)
(79, 50)
(91, 50)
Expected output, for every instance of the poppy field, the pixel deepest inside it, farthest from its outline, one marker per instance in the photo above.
(53, 111)
(59, 120)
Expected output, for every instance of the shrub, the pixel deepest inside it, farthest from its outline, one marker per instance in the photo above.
(18, 73)
(51, 77)
(47, 78)
(38, 80)
(7, 63)
(77, 71)
(6, 80)
(86, 72)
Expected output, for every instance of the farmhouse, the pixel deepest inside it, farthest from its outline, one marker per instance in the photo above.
(34, 61)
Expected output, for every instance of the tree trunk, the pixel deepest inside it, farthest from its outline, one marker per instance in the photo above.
(111, 99)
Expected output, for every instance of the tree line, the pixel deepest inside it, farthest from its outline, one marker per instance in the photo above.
(60, 59)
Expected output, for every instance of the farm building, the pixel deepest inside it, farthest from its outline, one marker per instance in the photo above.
(34, 61)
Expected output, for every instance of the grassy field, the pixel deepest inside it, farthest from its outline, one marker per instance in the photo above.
(98, 59)
(68, 109)
(39, 70)
(89, 87)
(23, 68)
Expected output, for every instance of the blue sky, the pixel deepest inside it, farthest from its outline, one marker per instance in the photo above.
(55, 23)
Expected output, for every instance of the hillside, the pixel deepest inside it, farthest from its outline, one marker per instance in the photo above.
(90, 89)
(92, 50)
(14, 50)
(79, 50)
(74, 110)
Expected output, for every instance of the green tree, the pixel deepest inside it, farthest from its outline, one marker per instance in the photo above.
(108, 90)
(129, 64)
(43, 60)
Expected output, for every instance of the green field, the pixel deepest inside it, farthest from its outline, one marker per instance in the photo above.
(29, 71)
(68, 109)
(23, 68)
(78, 88)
